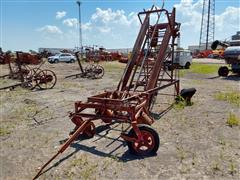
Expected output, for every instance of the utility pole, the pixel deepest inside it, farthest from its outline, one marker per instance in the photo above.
(80, 26)
(207, 24)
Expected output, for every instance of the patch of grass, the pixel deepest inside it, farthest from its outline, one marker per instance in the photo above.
(87, 169)
(22, 112)
(6, 128)
(181, 103)
(106, 164)
(204, 68)
(113, 66)
(67, 85)
(231, 97)
(199, 68)
(88, 172)
(233, 120)
(4, 131)
(181, 153)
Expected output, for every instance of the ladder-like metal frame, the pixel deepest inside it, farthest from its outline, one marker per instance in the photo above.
(144, 75)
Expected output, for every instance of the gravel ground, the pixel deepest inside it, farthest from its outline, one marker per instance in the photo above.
(196, 142)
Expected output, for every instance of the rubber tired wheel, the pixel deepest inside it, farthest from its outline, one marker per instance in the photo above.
(223, 71)
(148, 146)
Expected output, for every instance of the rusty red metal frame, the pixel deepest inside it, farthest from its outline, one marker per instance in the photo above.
(144, 76)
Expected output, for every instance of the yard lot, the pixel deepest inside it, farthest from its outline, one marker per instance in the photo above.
(197, 142)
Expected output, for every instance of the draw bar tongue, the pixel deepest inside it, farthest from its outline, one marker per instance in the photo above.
(64, 146)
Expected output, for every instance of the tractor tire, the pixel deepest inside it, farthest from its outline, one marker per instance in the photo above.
(148, 146)
(223, 71)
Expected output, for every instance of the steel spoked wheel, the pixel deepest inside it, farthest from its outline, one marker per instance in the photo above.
(45, 79)
(98, 72)
(89, 68)
(149, 143)
(32, 73)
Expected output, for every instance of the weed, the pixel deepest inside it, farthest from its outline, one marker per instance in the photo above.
(106, 164)
(215, 167)
(232, 168)
(221, 155)
(231, 97)
(4, 131)
(181, 153)
(233, 120)
(88, 172)
(184, 169)
(181, 103)
(194, 159)
(222, 141)
(115, 158)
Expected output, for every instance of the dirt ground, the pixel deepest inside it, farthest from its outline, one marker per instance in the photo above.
(196, 142)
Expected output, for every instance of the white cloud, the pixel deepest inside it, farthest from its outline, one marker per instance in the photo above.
(71, 22)
(50, 29)
(189, 14)
(87, 26)
(111, 28)
(109, 16)
(60, 14)
(104, 29)
(230, 16)
(118, 29)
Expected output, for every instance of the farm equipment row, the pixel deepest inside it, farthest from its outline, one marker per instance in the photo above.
(101, 54)
(144, 77)
(29, 77)
(92, 71)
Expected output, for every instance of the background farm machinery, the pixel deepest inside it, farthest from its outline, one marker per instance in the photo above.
(144, 77)
(30, 76)
(231, 56)
(93, 71)
(101, 54)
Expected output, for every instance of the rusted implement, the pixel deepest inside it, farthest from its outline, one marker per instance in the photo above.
(144, 76)
(93, 71)
(30, 78)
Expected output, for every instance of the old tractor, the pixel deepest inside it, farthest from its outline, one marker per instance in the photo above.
(143, 78)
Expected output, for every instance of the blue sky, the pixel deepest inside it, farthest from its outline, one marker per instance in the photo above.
(30, 24)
